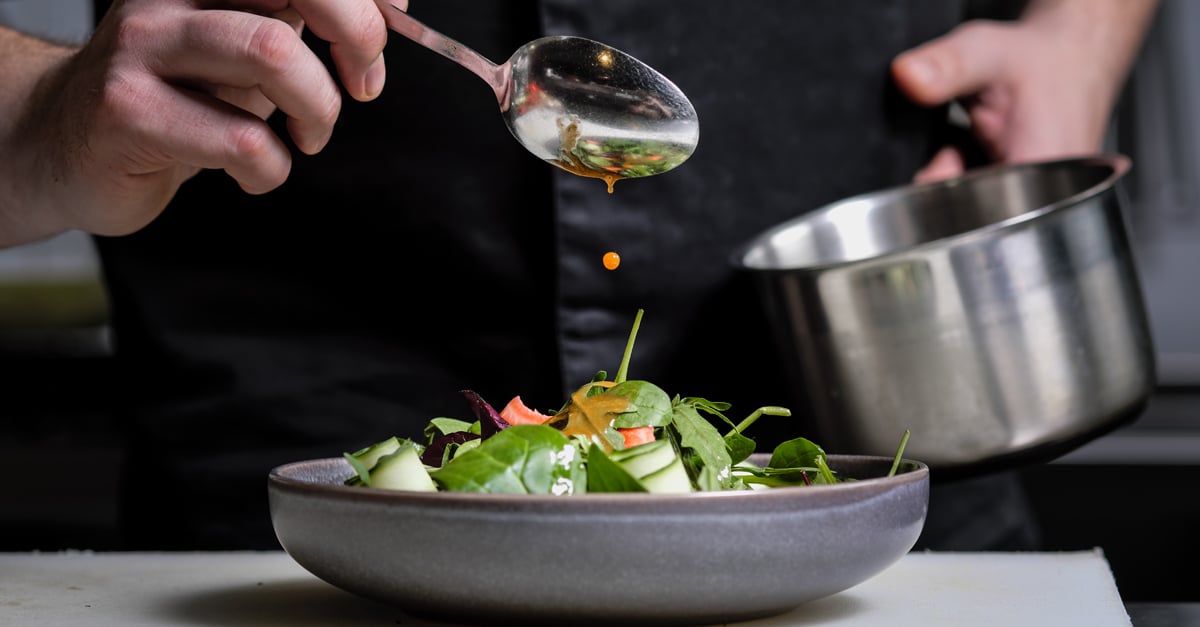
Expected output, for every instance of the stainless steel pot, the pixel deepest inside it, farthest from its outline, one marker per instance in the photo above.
(998, 316)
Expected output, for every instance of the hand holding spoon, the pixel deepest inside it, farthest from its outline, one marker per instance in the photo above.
(581, 105)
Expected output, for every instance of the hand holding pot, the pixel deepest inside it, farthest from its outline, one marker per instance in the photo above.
(1042, 87)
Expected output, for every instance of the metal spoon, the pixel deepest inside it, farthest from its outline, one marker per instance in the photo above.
(582, 105)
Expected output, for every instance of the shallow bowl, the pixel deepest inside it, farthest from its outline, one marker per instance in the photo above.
(696, 558)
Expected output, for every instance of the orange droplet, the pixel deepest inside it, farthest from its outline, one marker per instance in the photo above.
(611, 260)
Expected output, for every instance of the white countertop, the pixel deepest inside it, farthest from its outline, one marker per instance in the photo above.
(268, 589)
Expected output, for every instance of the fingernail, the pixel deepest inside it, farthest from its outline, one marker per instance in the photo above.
(376, 76)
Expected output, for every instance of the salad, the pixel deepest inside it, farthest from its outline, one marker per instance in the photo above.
(619, 435)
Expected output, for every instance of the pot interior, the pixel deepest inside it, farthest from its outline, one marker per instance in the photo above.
(875, 224)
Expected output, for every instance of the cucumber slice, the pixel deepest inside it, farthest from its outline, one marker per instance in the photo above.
(646, 459)
(402, 470)
(673, 479)
(370, 455)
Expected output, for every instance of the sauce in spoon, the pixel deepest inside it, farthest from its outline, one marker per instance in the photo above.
(581, 105)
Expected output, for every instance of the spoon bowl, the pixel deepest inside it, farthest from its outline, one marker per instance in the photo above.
(579, 104)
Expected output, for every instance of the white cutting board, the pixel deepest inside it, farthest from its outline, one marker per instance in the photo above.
(269, 589)
(961, 589)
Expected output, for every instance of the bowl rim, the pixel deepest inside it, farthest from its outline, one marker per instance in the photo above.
(280, 479)
(1118, 165)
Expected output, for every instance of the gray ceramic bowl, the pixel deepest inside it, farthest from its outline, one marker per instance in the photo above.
(603, 559)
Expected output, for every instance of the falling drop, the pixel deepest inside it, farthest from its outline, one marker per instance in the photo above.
(611, 260)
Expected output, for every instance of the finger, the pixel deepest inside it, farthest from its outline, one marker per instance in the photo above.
(167, 125)
(278, 9)
(355, 31)
(261, 7)
(960, 63)
(356, 34)
(947, 163)
(241, 50)
(252, 99)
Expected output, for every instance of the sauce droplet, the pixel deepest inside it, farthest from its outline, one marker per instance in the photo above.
(611, 260)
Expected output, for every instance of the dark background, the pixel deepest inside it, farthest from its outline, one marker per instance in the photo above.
(1133, 493)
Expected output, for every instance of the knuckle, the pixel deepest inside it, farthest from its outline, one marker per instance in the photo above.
(134, 30)
(122, 99)
(249, 142)
(252, 158)
(274, 44)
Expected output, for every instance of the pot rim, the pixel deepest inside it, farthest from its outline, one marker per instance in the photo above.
(1118, 164)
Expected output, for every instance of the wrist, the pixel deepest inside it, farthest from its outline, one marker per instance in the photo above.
(1101, 37)
(31, 183)
(1094, 43)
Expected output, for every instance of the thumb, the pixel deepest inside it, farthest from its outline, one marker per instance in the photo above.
(958, 64)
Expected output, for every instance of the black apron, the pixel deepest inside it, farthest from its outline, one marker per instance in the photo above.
(424, 251)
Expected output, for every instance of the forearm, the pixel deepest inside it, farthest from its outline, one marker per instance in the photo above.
(26, 210)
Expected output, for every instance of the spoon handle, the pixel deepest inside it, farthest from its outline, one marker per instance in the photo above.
(497, 76)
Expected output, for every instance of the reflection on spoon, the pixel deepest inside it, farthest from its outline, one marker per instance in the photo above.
(612, 159)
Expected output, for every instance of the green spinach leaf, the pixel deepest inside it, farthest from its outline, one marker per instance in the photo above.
(522, 459)
(704, 453)
(438, 427)
(651, 407)
(797, 454)
(739, 446)
(605, 475)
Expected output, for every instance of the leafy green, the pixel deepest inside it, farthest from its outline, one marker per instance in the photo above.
(899, 454)
(522, 459)
(739, 447)
(455, 448)
(651, 407)
(798, 454)
(769, 410)
(444, 426)
(569, 453)
(605, 475)
(649, 404)
(704, 454)
(623, 369)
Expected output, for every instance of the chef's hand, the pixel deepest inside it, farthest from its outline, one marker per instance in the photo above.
(1039, 88)
(165, 88)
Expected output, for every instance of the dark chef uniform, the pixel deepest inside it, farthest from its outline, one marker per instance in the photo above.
(425, 252)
